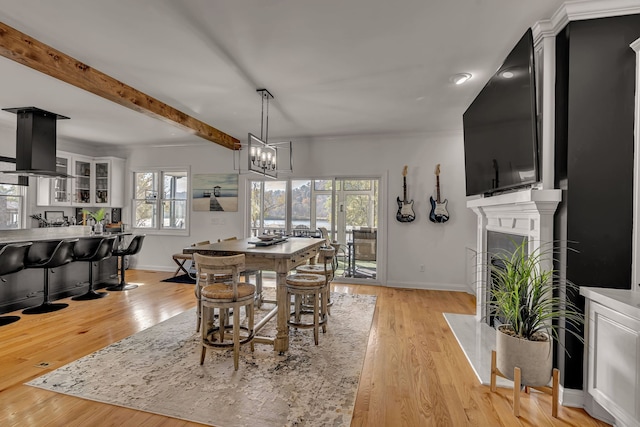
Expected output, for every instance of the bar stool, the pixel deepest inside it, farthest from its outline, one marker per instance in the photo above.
(224, 296)
(41, 255)
(134, 247)
(92, 250)
(12, 258)
(326, 256)
(312, 285)
(247, 273)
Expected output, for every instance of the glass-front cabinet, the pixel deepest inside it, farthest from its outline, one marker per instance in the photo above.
(82, 169)
(61, 192)
(102, 168)
(97, 181)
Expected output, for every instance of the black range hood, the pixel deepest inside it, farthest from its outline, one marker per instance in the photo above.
(36, 143)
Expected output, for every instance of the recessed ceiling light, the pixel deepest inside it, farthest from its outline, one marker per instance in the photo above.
(460, 78)
(508, 74)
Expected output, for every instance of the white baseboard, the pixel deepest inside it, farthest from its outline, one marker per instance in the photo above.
(454, 287)
(571, 397)
(153, 268)
(580, 399)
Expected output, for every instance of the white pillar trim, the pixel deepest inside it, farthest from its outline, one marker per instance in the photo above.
(527, 213)
(635, 271)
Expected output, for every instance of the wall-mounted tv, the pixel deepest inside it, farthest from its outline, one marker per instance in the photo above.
(500, 127)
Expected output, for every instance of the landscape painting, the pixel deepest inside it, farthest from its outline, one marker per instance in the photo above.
(215, 192)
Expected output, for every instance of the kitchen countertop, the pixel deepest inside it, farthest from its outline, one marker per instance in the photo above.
(624, 301)
(51, 233)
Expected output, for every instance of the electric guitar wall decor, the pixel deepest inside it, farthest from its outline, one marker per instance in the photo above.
(438, 209)
(405, 208)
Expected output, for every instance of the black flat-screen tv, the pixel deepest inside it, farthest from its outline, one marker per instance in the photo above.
(501, 129)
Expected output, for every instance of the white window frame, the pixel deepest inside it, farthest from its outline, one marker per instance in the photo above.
(21, 195)
(158, 229)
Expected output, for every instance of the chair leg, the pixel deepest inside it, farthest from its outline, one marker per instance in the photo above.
(91, 293)
(203, 354)
(316, 317)
(122, 286)
(236, 337)
(324, 308)
(47, 306)
(250, 309)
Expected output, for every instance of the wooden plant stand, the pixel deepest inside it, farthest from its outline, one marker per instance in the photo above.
(553, 390)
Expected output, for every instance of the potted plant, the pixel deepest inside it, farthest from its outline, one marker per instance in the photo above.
(98, 217)
(526, 297)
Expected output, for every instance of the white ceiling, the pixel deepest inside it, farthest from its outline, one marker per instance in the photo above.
(335, 67)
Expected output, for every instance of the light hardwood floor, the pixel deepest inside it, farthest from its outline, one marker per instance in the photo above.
(414, 373)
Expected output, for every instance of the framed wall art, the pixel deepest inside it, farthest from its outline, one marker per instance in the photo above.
(215, 192)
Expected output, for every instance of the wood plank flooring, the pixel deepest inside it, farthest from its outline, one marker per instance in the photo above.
(414, 373)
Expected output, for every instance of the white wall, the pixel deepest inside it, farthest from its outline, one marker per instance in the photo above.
(441, 248)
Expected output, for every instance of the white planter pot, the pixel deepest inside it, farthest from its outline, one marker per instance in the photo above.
(534, 358)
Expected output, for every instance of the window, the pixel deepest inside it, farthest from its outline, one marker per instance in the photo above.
(160, 199)
(11, 206)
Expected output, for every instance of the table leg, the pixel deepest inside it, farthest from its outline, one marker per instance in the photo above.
(180, 267)
(281, 343)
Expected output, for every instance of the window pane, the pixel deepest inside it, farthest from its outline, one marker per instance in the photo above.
(174, 214)
(174, 185)
(357, 184)
(145, 184)
(145, 214)
(275, 204)
(323, 184)
(10, 207)
(256, 187)
(9, 190)
(323, 211)
(301, 204)
(358, 208)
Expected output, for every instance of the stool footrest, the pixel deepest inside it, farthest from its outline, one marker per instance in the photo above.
(217, 344)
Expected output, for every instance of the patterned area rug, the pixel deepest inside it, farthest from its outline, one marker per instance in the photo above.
(157, 370)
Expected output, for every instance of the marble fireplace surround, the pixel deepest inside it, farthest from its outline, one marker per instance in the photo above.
(527, 213)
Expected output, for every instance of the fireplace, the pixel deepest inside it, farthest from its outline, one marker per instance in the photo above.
(503, 219)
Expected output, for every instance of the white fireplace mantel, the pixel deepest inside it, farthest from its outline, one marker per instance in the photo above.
(527, 213)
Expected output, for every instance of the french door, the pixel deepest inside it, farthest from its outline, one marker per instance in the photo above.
(346, 207)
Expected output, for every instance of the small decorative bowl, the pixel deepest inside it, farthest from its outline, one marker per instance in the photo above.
(266, 238)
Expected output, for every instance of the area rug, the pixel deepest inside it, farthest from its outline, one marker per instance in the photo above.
(157, 370)
(183, 278)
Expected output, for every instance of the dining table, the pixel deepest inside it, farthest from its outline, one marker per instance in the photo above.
(280, 255)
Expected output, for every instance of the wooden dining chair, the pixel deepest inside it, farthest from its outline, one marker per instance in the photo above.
(248, 273)
(224, 297)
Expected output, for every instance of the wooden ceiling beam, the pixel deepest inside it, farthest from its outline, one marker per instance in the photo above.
(25, 50)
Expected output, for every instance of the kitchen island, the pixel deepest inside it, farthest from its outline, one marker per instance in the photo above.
(24, 288)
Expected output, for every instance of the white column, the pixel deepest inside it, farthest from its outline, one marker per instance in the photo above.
(635, 271)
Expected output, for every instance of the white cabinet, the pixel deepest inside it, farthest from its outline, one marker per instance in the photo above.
(82, 170)
(97, 181)
(613, 352)
(108, 182)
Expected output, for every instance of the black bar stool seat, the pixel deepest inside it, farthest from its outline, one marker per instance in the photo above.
(48, 255)
(92, 250)
(12, 258)
(134, 247)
